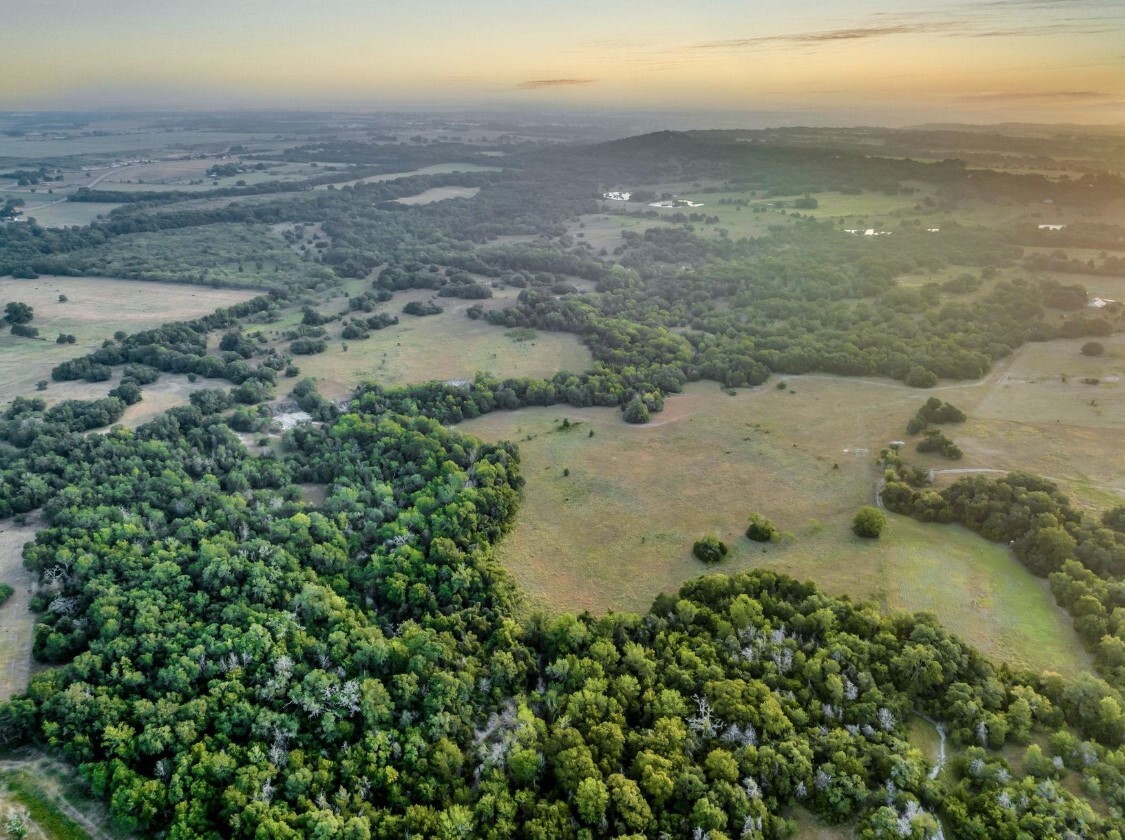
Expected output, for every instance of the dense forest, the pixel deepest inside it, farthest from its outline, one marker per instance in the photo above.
(230, 658)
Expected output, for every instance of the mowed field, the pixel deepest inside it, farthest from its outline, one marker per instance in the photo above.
(443, 347)
(618, 528)
(63, 213)
(95, 309)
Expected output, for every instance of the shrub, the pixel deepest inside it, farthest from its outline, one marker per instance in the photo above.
(709, 549)
(1093, 348)
(129, 392)
(6, 592)
(920, 377)
(307, 346)
(761, 529)
(418, 308)
(869, 522)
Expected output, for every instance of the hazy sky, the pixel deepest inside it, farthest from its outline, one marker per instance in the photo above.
(1048, 60)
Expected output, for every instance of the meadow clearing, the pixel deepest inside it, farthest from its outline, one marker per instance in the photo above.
(608, 521)
(434, 169)
(94, 310)
(16, 620)
(443, 347)
(438, 194)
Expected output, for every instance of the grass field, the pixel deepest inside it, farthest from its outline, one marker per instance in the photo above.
(1030, 419)
(439, 194)
(16, 621)
(435, 169)
(618, 529)
(443, 347)
(604, 231)
(95, 309)
(810, 828)
(62, 213)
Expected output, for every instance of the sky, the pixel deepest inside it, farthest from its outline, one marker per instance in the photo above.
(842, 61)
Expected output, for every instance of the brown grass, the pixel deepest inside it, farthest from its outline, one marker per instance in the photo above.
(96, 309)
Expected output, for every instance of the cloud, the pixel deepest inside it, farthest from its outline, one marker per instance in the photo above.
(857, 33)
(997, 19)
(1036, 96)
(536, 84)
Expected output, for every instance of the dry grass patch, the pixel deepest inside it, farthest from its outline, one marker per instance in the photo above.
(443, 347)
(95, 309)
(438, 194)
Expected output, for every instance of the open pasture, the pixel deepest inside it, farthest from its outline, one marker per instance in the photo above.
(58, 213)
(445, 346)
(1038, 415)
(435, 169)
(438, 194)
(95, 309)
(602, 230)
(608, 521)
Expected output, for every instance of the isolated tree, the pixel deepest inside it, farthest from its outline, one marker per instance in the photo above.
(709, 549)
(869, 522)
(18, 313)
(761, 529)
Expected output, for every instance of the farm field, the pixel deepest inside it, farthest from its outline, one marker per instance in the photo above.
(445, 346)
(95, 309)
(618, 529)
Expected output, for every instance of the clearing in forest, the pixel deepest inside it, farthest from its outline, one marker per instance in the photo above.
(447, 346)
(95, 309)
(608, 521)
(16, 620)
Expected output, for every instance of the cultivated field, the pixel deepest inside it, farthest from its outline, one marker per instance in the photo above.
(618, 528)
(95, 309)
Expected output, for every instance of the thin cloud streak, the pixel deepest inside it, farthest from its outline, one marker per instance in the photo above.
(1029, 96)
(537, 84)
(830, 36)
